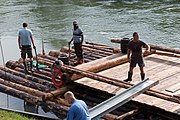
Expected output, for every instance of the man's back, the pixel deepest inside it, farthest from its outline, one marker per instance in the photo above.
(24, 35)
(78, 111)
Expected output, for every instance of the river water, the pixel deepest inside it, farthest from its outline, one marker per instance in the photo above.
(156, 21)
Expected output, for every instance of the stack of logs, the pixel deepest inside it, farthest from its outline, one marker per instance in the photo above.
(37, 87)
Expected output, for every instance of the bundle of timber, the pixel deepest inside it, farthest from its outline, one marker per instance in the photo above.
(91, 51)
(37, 87)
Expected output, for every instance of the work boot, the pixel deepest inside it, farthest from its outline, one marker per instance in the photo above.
(31, 66)
(129, 77)
(77, 62)
(82, 61)
(142, 76)
(25, 67)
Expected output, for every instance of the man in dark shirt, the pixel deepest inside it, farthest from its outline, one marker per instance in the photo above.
(135, 49)
(78, 41)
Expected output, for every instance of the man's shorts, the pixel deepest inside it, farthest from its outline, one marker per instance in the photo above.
(138, 61)
(26, 49)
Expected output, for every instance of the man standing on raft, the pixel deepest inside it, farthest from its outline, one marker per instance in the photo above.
(24, 41)
(135, 49)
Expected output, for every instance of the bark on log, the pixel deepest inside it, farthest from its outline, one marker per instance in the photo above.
(25, 89)
(161, 48)
(41, 76)
(101, 64)
(97, 48)
(98, 44)
(23, 81)
(19, 94)
(57, 92)
(29, 77)
(98, 51)
(167, 54)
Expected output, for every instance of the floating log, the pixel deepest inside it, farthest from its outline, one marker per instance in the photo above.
(167, 54)
(161, 48)
(97, 51)
(28, 77)
(54, 53)
(167, 49)
(98, 44)
(19, 94)
(23, 81)
(25, 89)
(98, 48)
(41, 76)
(13, 64)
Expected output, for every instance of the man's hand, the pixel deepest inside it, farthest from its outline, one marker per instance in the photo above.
(129, 59)
(20, 47)
(146, 52)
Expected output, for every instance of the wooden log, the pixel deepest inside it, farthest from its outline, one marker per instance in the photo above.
(13, 64)
(19, 94)
(167, 54)
(25, 89)
(54, 53)
(28, 77)
(34, 100)
(20, 80)
(97, 51)
(98, 44)
(102, 64)
(41, 76)
(161, 48)
(57, 92)
(98, 48)
(128, 114)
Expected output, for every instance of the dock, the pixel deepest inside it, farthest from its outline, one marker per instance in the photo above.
(98, 79)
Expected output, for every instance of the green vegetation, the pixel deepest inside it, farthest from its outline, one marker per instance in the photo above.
(4, 115)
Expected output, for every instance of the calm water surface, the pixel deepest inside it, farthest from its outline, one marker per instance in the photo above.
(157, 21)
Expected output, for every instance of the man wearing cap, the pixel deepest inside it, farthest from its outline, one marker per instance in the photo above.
(77, 41)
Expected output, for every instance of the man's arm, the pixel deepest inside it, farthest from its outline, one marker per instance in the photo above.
(32, 40)
(128, 54)
(19, 42)
(82, 38)
(70, 115)
(70, 41)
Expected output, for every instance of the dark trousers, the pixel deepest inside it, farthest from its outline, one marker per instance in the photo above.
(78, 50)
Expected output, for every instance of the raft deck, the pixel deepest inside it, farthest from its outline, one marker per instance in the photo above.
(37, 87)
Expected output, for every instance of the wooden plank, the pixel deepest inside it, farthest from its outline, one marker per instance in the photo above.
(173, 88)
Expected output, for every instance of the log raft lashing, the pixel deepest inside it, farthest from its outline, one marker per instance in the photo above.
(103, 73)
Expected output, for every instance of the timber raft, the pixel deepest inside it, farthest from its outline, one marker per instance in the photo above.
(99, 78)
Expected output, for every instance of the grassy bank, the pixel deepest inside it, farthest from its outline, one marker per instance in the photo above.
(4, 115)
